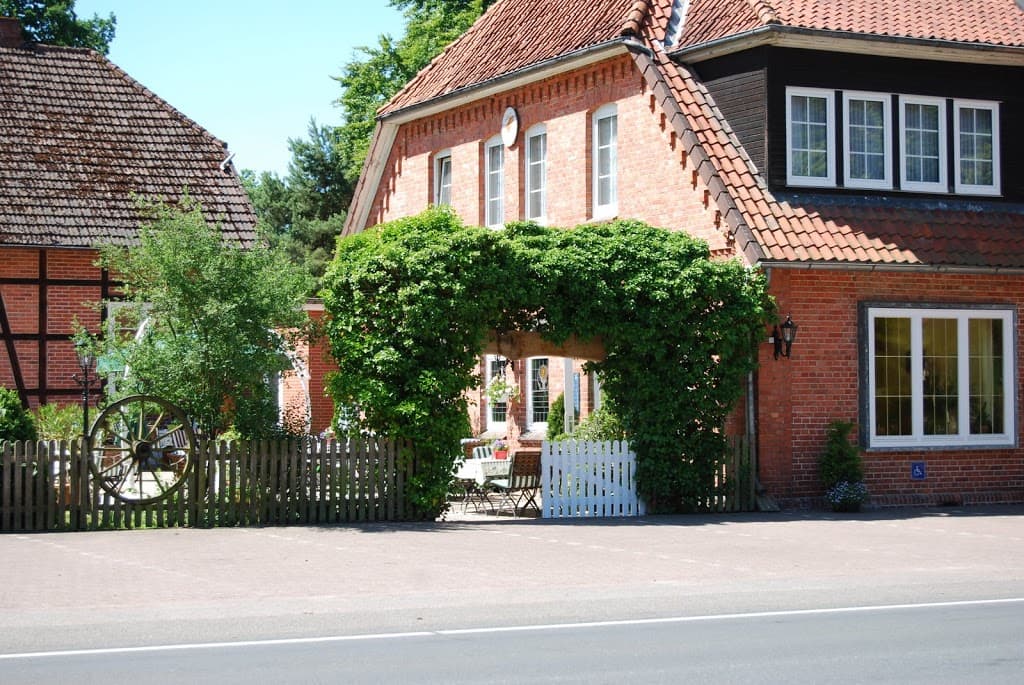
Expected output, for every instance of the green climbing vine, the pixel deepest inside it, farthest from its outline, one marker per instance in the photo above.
(412, 301)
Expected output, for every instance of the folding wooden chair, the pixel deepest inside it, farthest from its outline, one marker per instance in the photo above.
(522, 486)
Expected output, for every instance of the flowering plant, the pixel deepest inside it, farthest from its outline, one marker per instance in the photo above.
(847, 495)
(499, 445)
(500, 390)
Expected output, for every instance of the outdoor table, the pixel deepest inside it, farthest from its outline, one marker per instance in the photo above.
(473, 475)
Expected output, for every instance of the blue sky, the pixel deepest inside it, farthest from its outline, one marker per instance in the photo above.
(252, 72)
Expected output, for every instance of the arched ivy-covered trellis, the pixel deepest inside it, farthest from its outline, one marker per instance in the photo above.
(412, 302)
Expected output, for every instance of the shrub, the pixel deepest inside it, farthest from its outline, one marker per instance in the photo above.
(59, 421)
(600, 426)
(15, 421)
(841, 460)
(556, 418)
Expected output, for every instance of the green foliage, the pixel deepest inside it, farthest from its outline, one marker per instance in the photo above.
(16, 422)
(214, 315)
(59, 421)
(380, 71)
(412, 301)
(556, 418)
(54, 22)
(841, 460)
(600, 426)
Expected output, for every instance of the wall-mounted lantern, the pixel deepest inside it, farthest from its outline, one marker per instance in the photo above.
(783, 339)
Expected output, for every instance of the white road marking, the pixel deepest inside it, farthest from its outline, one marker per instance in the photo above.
(503, 629)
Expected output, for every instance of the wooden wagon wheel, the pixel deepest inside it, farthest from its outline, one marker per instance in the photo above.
(142, 448)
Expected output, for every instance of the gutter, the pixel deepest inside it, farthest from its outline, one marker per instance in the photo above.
(387, 124)
(906, 268)
(850, 42)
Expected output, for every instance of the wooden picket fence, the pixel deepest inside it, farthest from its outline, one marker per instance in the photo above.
(595, 479)
(49, 486)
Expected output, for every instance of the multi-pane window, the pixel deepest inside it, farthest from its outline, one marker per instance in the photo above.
(494, 183)
(536, 173)
(810, 158)
(497, 412)
(605, 162)
(443, 178)
(538, 405)
(868, 141)
(940, 376)
(976, 140)
(923, 142)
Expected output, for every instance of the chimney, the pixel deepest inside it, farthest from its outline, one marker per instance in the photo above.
(10, 33)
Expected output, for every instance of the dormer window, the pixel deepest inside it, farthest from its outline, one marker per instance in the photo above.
(976, 142)
(867, 148)
(810, 117)
(923, 141)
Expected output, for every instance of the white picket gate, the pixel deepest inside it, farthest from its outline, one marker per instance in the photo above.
(588, 479)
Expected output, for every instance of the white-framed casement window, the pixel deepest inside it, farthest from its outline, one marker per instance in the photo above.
(536, 172)
(497, 412)
(976, 147)
(604, 165)
(811, 142)
(494, 183)
(923, 144)
(538, 399)
(867, 149)
(940, 377)
(443, 178)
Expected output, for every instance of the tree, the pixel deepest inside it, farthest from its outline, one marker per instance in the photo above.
(370, 80)
(215, 319)
(54, 22)
(303, 213)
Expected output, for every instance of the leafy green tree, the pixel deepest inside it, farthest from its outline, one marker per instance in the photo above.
(215, 319)
(380, 71)
(55, 22)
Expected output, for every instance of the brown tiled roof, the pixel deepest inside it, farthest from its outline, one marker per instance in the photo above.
(80, 140)
(513, 34)
(991, 22)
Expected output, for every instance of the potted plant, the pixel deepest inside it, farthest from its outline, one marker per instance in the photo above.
(842, 472)
(500, 449)
(500, 390)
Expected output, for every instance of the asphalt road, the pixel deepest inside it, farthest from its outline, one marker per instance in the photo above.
(382, 594)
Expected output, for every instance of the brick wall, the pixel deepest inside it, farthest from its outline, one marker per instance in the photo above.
(799, 396)
(62, 286)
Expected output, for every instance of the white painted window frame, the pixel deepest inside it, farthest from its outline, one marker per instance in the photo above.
(918, 439)
(976, 189)
(609, 209)
(531, 425)
(829, 180)
(942, 185)
(440, 159)
(884, 183)
(492, 425)
(530, 188)
(497, 218)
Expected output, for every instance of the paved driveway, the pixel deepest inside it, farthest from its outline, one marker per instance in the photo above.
(75, 589)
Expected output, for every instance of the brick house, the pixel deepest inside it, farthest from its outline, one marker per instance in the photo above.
(79, 141)
(862, 154)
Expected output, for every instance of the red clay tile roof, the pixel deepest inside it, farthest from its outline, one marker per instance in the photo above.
(513, 34)
(79, 138)
(992, 22)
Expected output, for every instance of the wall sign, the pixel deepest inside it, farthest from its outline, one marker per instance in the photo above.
(918, 470)
(509, 127)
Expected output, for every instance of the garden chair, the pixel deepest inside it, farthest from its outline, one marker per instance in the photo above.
(522, 486)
